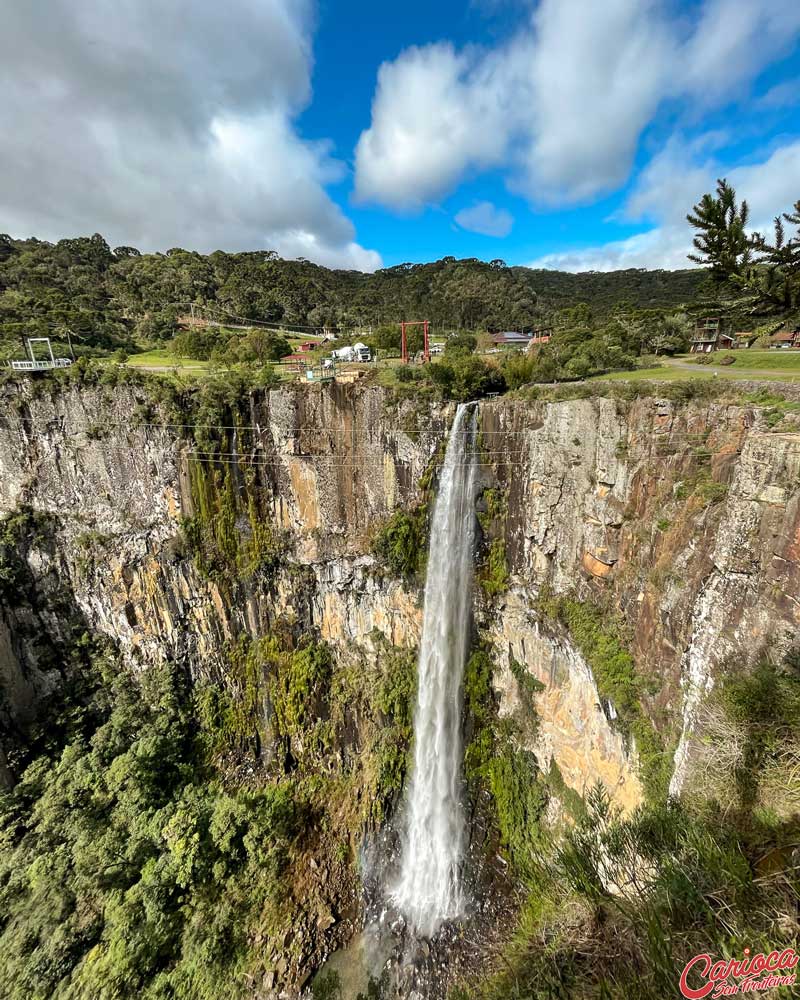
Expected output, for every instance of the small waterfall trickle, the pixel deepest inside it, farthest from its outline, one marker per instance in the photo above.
(429, 891)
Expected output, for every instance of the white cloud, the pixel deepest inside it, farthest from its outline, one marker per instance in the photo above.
(561, 106)
(597, 74)
(426, 130)
(163, 124)
(660, 247)
(484, 218)
(668, 188)
(733, 41)
(782, 95)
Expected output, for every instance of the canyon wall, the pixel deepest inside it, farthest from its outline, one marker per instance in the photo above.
(677, 520)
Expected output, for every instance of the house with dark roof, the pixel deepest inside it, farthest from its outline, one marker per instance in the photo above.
(511, 338)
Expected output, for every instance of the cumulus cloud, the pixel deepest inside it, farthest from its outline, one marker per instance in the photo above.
(597, 74)
(666, 191)
(561, 105)
(167, 124)
(425, 112)
(484, 218)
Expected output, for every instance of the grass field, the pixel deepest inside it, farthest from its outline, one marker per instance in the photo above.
(766, 366)
(163, 359)
(776, 360)
(163, 362)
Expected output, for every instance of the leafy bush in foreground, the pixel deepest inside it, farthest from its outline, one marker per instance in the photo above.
(127, 870)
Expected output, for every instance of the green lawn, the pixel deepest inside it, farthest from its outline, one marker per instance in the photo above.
(163, 359)
(767, 366)
(776, 360)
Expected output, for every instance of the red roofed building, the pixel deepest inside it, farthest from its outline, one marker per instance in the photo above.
(785, 339)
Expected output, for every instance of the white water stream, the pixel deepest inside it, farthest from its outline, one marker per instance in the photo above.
(429, 889)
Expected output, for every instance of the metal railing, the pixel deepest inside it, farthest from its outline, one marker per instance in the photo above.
(40, 366)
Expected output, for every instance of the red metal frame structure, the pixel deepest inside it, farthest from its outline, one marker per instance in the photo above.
(404, 325)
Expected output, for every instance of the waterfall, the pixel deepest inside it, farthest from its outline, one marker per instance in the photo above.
(429, 891)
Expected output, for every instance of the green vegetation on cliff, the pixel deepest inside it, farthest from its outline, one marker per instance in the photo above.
(492, 569)
(128, 869)
(23, 526)
(157, 841)
(598, 637)
(401, 543)
(230, 532)
(495, 763)
(616, 905)
(156, 849)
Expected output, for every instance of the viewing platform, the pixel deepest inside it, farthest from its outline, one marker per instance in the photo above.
(40, 366)
(34, 364)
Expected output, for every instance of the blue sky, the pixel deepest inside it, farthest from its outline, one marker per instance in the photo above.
(559, 133)
(355, 38)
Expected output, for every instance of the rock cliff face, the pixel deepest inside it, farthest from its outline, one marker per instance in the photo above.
(679, 520)
(682, 518)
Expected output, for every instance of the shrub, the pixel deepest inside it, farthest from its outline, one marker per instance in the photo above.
(520, 798)
(308, 674)
(475, 379)
(327, 986)
(764, 705)
(619, 904)
(460, 344)
(465, 377)
(400, 543)
(713, 492)
(397, 688)
(519, 370)
(599, 642)
(493, 575)
(478, 685)
(196, 343)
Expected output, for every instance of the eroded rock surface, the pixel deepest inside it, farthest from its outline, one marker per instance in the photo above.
(680, 520)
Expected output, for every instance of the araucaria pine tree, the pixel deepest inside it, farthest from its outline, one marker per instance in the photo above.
(782, 252)
(780, 261)
(722, 242)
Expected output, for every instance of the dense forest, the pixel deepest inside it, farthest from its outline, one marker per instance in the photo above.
(122, 300)
(109, 298)
(605, 291)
